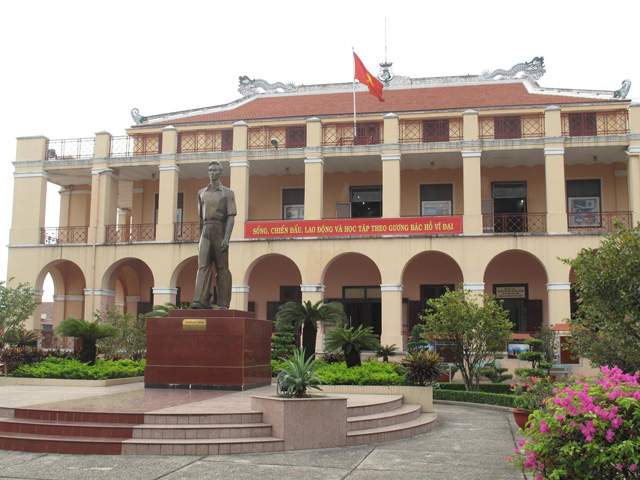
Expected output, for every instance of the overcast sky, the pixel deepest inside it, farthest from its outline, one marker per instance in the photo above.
(74, 68)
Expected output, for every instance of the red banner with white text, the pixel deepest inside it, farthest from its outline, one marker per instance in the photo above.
(353, 227)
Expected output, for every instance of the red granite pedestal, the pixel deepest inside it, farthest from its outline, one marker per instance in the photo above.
(209, 349)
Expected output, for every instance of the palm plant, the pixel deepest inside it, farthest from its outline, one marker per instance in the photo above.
(351, 341)
(386, 351)
(21, 338)
(299, 374)
(89, 333)
(305, 316)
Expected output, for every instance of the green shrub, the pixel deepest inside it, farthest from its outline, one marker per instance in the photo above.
(67, 368)
(422, 367)
(369, 373)
(502, 388)
(473, 397)
(276, 366)
(283, 344)
(16, 357)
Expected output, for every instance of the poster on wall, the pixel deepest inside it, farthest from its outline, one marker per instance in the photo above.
(515, 349)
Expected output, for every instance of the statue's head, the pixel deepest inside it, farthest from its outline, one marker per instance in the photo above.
(215, 170)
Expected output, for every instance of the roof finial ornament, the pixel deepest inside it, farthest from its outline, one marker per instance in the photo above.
(624, 90)
(139, 119)
(386, 73)
(532, 70)
(249, 87)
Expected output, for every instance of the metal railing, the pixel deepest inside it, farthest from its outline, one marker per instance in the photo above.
(337, 135)
(429, 131)
(511, 126)
(139, 232)
(186, 231)
(597, 221)
(514, 223)
(63, 235)
(205, 141)
(286, 137)
(136, 145)
(582, 124)
(70, 148)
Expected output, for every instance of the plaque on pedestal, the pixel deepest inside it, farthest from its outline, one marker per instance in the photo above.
(208, 349)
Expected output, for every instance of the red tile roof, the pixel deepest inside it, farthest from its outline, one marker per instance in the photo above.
(459, 97)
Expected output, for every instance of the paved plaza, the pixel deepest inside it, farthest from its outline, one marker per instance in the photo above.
(467, 443)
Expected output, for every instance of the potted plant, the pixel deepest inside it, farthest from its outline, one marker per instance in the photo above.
(531, 393)
(298, 375)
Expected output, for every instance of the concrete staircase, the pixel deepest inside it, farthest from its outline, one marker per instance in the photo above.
(111, 433)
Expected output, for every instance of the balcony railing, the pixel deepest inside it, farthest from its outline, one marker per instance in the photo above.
(186, 231)
(511, 126)
(70, 148)
(205, 141)
(514, 223)
(428, 131)
(63, 235)
(582, 124)
(286, 137)
(136, 145)
(597, 222)
(338, 135)
(140, 232)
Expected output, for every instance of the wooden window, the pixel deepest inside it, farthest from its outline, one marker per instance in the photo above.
(435, 130)
(507, 127)
(296, 137)
(582, 124)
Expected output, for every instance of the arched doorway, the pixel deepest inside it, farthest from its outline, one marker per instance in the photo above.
(519, 280)
(354, 280)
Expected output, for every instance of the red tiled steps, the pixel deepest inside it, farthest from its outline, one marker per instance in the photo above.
(99, 433)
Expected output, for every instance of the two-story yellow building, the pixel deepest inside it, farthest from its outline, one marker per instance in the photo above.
(482, 181)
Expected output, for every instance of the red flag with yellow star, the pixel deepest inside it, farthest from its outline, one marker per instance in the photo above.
(365, 78)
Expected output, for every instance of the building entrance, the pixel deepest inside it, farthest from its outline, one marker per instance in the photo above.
(363, 306)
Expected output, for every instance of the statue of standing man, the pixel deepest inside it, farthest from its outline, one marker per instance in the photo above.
(216, 212)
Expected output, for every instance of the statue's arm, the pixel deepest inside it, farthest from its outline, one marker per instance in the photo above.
(200, 211)
(227, 232)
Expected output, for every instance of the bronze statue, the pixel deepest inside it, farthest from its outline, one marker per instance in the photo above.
(216, 212)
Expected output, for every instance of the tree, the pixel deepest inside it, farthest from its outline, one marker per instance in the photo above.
(474, 332)
(606, 326)
(351, 341)
(306, 316)
(131, 338)
(16, 306)
(89, 333)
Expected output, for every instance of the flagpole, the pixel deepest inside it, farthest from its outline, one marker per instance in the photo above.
(354, 94)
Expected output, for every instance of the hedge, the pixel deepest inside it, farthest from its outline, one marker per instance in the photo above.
(474, 397)
(75, 369)
(503, 388)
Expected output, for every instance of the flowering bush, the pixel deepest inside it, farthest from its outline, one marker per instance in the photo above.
(589, 430)
(531, 392)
